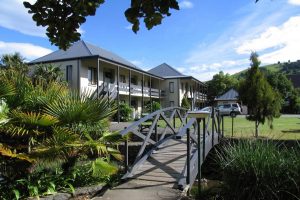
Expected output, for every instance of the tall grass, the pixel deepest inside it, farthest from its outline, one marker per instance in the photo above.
(256, 169)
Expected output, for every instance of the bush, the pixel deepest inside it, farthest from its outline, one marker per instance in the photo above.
(155, 106)
(185, 103)
(260, 170)
(51, 179)
(125, 112)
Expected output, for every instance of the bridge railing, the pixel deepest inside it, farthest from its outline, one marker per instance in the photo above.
(199, 143)
(167, 115)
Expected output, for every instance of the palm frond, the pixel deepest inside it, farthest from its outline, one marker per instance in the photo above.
(79, 108)
(33, 118)
(6, 151)
(109, 137)
(101, 167)
(6, 89)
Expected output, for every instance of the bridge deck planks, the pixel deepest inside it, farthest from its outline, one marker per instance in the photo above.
(165, 165)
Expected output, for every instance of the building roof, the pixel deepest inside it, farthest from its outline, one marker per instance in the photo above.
(166, 71)
(231, 94)
(82, 49)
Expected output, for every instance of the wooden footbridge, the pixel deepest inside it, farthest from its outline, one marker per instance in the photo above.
(169, 157)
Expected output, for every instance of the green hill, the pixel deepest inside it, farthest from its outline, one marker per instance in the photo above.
(288, 68)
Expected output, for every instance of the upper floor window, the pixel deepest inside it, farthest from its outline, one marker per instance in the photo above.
(69, 74)
(92, 75)
(171, 87)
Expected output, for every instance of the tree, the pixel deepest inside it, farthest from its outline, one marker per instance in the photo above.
(185, 103)
(281, 83)
(220, 84)
(46, 13)
(263, 102)
(47, 72)
(14, 61)
(47, 121)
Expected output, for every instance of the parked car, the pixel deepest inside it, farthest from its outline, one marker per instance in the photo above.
(231, 109)
(208, 109)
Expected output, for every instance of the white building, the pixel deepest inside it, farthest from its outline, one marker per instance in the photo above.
(86, 66)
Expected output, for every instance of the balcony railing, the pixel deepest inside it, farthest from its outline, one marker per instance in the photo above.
(137, 90)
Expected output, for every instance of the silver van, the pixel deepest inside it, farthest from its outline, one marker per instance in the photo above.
(231, 109)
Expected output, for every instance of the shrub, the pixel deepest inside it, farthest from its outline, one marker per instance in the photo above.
(185, 103)
(155, 106)
(260, 170)
(125, 112)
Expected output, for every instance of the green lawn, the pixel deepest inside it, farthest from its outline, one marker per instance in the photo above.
(284, 128)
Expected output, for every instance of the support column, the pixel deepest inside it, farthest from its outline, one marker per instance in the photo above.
(143, 80)
(150, 94)
(118, 90)
(202, 97)
(159, 91)
(129, 96)
(98, 69)
(199, 155)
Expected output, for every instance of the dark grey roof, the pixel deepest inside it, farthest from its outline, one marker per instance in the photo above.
(83, 49)
(166, 71)
(231, 94)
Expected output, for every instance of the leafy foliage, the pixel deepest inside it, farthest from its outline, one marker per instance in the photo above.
(47, 73)
(45, 122)
(14, 61)
(47, 12)
(255, 92)
(125, 112)
(185, 103)
(260, 170)
(153, 107)
(220, 84)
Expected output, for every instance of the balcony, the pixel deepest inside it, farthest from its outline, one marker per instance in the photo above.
(136, 90)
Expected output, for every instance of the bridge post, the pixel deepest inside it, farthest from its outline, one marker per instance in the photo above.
(222, 126)
(156, 135)
(199, 153)
(126, 153)
(204, 136)
(188, 158)
(219, 130)
(174, 121)
(213, 125)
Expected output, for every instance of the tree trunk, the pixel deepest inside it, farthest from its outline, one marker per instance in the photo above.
(256, 128)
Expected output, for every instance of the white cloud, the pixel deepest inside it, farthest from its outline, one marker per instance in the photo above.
(294, 2)
(28, 50)
(267, 27)
(136, 62)
(185, 4)
(13, 15)
(128, 27)
(277, 43)
(206, 71)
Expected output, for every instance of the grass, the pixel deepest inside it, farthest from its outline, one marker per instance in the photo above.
(284, 128)
(259, 169)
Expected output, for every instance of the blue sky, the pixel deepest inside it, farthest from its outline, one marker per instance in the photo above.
(201, 39)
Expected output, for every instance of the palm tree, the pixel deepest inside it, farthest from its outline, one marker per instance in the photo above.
(14, 61)
(48, 122)
(47, 72)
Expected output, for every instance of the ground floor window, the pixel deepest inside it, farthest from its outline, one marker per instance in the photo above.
(172, 104)
(92, 75)
(69, 74)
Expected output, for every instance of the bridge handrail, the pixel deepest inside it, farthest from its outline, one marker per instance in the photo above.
(150, 116)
